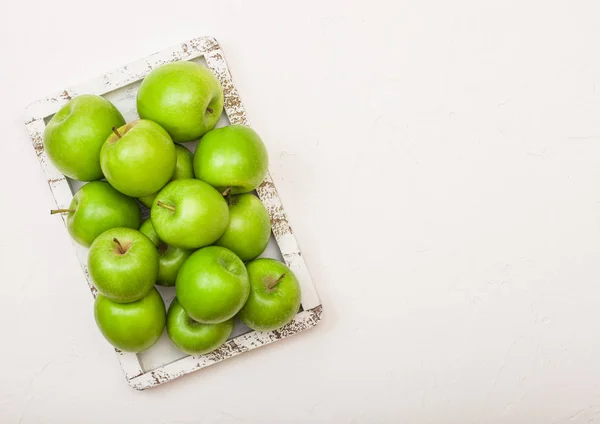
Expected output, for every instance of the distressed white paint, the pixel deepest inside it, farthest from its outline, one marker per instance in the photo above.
(120, 87)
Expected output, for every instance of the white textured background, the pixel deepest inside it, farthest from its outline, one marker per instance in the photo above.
(440, 165)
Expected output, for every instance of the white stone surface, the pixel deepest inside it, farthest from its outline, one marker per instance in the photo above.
(440, 164)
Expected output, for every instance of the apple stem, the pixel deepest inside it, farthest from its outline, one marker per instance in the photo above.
(116, 132)
(120, 247)
(209, 110)
(226, 191)
(55, 211)
(164, 205)
(274, 283)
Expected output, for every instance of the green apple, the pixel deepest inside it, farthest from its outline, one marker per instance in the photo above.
(97, 207)
(123, 264)
(139, 158)
(192, 337)
(183, 97)
(75, 134)
(189, 213)
(249, 227)
(274, 295)
(131, 327)
(212, 285)
(183, 169)
(231, 158)
(170, 258)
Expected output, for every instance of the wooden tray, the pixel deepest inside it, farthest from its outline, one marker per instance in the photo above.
(163, 362)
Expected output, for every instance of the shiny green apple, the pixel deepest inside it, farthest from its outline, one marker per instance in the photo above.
(170, 258)
(233, 158)
(212, 285)
(189, 213)
(183, 97)
(274, 295)
(249, 227)
(134, 326)
(97, 207)
(75, 134)
(192, 337)
(123, 264)
(139, 158)
(183, 169)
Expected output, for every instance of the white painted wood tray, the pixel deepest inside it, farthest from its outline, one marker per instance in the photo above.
(163, 362)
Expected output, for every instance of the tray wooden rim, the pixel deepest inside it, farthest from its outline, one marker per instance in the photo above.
(210, 50)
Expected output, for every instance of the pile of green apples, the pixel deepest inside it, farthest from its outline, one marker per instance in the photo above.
(205, 229)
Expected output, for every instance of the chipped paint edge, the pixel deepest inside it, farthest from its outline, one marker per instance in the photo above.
(209, 48)
(234, 347)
